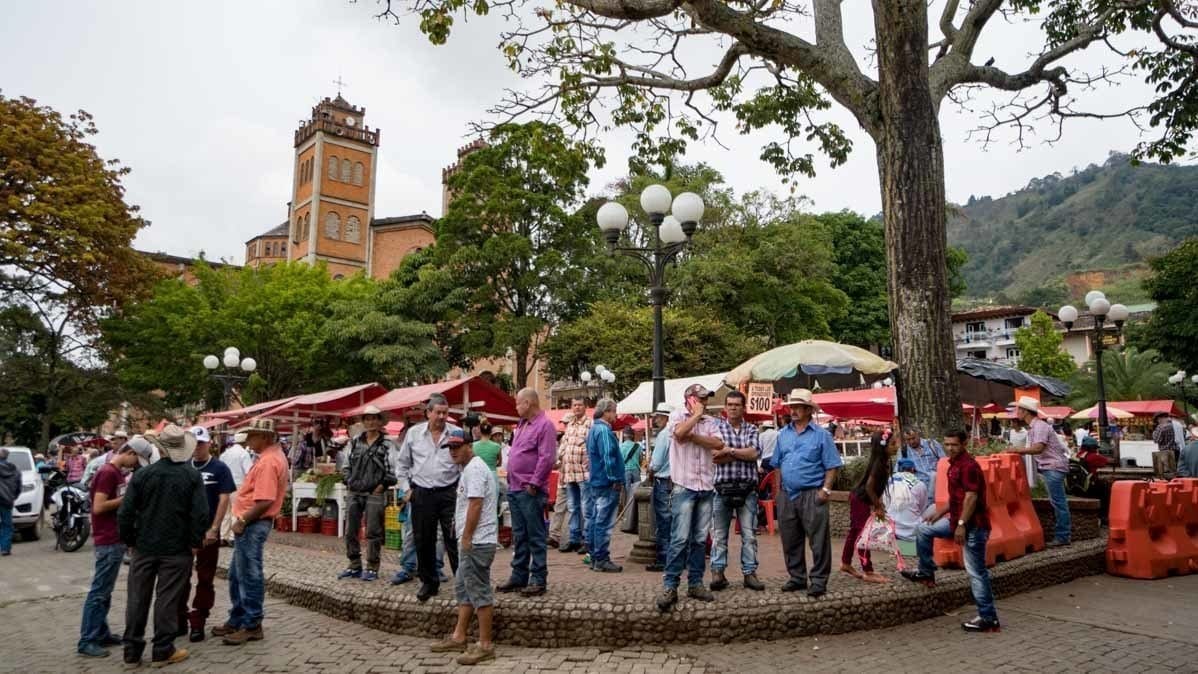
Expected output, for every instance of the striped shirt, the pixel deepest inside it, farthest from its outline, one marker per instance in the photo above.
(739, 438)
(690, 463)
(573, 450)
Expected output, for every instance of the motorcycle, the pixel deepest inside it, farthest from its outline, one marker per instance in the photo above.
(71, 520)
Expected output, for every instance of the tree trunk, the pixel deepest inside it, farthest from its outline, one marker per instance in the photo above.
(50, 407)
(521, 366)
(911, 171)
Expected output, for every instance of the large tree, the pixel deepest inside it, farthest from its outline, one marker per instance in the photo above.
(1040, 351)
(652, 60)
(1173, 327)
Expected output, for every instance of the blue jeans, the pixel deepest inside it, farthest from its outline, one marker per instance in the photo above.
(690, 518)
(576, 495)
(5, 529)
(604, 503)
(721, 523)
(407, 557)
(1054, 481)
(631, 479)
(529, 537)
(661, 515)
(247, 583)
(94, 626)
(975, 560)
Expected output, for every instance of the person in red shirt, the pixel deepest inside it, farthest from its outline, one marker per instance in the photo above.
(107, 490)
(1088, 454)
(968, 523)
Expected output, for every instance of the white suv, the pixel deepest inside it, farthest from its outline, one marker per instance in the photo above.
(27, 510)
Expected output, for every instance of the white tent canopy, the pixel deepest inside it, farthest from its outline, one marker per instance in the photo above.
(640, 401)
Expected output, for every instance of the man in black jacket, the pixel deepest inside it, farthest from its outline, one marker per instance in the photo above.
(10, 489)
(162, 519)
(368, 473)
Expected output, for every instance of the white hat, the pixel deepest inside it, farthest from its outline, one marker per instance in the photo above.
(142, 447)
(801, 396)
(768, 423)
(371, 410)
(178, 444)
(120, 434)
(664, 409)
(201, 434)
(239, 437)
(1028, 403)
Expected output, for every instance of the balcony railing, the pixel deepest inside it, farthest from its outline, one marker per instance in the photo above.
(986, 337)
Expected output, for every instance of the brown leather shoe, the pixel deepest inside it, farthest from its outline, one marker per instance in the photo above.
(448, 645)
(718, 581)
(476, 654)
(752, 583)
(241, 636)
(223, 630)
(179, 655)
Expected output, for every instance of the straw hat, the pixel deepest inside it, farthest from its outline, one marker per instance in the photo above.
(371, 410)
(178, 444)
(264, 426)
(801, 396)
(664, 409)
(1028, 403)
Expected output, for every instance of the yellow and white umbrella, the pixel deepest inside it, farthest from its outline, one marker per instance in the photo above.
(1111, 413)
(812, 357)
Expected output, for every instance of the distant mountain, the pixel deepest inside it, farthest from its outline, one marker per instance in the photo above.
(1061, 233)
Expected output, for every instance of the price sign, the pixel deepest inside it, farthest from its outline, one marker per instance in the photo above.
(760, 398)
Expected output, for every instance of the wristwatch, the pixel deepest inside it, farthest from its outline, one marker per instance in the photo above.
(960, 523)
(826, 490)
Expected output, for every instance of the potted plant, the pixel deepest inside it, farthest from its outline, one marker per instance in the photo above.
(324, 489)
(283, 520)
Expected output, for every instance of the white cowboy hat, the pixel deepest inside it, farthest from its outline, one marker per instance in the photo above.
(768, 423)
(801, 396)
(371, 410)
(1028, 403)
(178, 444)
(664, 409)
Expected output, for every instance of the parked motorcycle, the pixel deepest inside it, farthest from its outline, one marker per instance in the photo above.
(71, 520)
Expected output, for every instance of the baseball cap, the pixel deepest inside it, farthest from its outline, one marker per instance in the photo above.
(201, 434)
(697, 390)
(455, 439)
(1089, 441)
(906, 464)
(141, 447)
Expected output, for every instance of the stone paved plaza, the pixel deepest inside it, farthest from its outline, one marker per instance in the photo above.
(1098, 623)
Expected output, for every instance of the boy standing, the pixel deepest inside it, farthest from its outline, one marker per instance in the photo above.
(478, 536)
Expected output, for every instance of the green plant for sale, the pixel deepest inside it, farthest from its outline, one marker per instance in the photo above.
(324, 487)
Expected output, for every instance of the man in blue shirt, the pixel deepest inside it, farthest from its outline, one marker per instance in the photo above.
(606, 478)
(809, 462)
(659, 476)
(925, 453)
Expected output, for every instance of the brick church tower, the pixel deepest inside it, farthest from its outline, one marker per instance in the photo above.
(332, 203)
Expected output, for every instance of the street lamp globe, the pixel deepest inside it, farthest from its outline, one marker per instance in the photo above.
(1174, 379)
(877, 384)
(232, 359)
(599, 369)
(1194, 379)
(1118, 313)
(887, 382)
(1067, 314)
(585, 377)
(655, 199)
(688, 208)
(609, 376)
(1093, 295)
(1101, 306)
(232, 350)
(249, 364)
(211, 362)
(612, 218)
(671, 230)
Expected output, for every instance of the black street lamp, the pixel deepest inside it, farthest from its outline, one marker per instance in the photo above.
(670, 235)
(606, 377)
(1102, 310)
(1179, 378)
(232, 361)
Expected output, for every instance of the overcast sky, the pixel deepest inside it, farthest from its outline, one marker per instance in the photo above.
(201, 100)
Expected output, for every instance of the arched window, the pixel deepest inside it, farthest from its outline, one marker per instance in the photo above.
(346, 171)
(359, 173)
(283, 249)
(338, 277)
(333, 168)
(307, 228)
(353, 228)
(332, 226)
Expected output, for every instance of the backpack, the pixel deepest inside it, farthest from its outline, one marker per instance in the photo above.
(1077, 480)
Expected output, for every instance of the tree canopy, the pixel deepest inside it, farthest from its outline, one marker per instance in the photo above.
(1173, 327)
(1040, 351)
(1127, 374)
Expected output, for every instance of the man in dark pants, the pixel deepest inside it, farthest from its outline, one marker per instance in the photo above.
(659, 475)
(218, 484)
(367, 475)
(534, 448)
(162, 519)
(429, 478)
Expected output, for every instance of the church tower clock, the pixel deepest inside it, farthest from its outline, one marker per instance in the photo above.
(336, 157)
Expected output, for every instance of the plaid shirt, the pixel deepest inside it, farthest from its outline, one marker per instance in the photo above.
(745, 436)
(573, 451)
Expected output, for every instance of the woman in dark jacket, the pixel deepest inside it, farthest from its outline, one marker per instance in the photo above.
(865, 502)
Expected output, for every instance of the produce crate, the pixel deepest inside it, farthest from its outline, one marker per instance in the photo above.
(394, 540)
(391, 519)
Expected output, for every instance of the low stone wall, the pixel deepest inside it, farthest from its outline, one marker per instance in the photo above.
(612, 612)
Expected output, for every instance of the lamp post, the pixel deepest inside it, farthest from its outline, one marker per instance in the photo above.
(606, 378)
(1179, 378)
(669, 235)
(233, 362)
(1102, 310)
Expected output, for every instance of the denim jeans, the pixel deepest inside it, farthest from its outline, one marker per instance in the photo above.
(661, 515)
(604, 503)
(94, 626)
(974, 555)
(5, 529)
(631, 479)
(576, 492)
(247, 584)
(1054, 481)
(721, 524)
(925, 534)
(690, 518)
(407, 558)
(529, 537)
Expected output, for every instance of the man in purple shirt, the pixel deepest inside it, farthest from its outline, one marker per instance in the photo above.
(1052, 459)
(534, 449)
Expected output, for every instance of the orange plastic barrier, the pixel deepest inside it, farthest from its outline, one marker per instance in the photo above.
(1014, 527)
(1154, 529)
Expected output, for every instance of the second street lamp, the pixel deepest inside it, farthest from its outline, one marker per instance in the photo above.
(1102, 310)
(232, 361)
(669, 234)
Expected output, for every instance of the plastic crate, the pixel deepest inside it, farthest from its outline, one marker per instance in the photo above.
(394, 540)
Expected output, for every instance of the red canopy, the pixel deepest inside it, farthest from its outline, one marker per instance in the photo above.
(476, 392)
(869, 403)
(559, 417)
(250, 410)
(1147, 408)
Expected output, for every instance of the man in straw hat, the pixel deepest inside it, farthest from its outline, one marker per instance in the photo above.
(255, 506)
(162, 518)
(659, 476)
(808, 461)
(367, 474)
(1052, 459)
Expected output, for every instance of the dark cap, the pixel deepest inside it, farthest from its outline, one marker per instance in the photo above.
(697, 390)
(454, 440)
(1090, 441)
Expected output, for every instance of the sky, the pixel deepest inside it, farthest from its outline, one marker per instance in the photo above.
(201, 101)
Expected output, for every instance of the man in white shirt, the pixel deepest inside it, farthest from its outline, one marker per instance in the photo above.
(769, 440)
(239, 460)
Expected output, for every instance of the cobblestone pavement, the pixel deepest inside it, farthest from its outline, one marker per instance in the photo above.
(1094, 624)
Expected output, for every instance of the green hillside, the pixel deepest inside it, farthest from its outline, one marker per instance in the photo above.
(1105, 218)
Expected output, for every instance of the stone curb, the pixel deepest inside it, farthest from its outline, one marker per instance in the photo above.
(573, 617)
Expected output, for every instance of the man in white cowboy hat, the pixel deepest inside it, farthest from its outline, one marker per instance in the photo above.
(368, 475)
(255, 506)
(808, 461)
(659, 477)
(162, 518)
(1052, 459)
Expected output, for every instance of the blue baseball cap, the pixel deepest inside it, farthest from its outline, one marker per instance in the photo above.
(456, 439)
(906, 464)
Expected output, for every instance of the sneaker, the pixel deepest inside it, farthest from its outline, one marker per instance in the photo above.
(1056, 543)
(476, 654)
(178, 656)
(700, 593)
(448, 645)
(928, 579)
(607, 566)
(718, 581)
(197, 635)
(980, 624)
(666, 600)
(533, 591)
(426, 592)
(111, 640)
(370, 575)
(349, 573)
(223, 630)
(401, 577)
(511, 586)
(582, 549)
(751, 582)
(793, 585)
(241, 636)
(92, 650)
